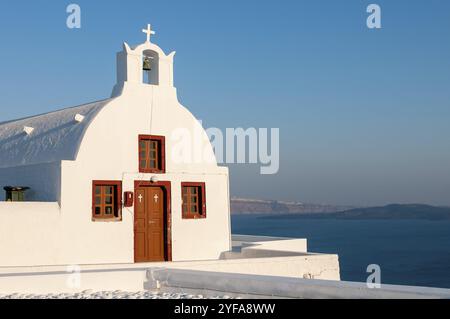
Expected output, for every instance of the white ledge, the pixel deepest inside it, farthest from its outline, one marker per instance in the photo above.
(28, 130)
(280, 287)
(79, 118)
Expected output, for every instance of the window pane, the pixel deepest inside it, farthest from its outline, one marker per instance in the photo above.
(108, 210)
(98, 190)
(193, 208)
(142, 145)
(98, 200)
(143, 164)
(97, 210)
(143, 154)
(194, 199)
(152, 164)
(108, 200)
(194, 190)
(108, 190)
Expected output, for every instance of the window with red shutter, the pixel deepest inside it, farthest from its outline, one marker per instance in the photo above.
(152, 154)
(193, 200)
(106, 200)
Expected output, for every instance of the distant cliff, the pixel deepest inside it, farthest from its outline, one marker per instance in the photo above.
(394, 211)
(256, 206)
(398, 211)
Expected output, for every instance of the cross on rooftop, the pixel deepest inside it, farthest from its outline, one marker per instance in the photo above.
(149, 32)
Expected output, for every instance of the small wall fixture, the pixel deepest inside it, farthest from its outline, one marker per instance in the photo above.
(154, 179)
(79, 118)
(28, 130)
(128, 199)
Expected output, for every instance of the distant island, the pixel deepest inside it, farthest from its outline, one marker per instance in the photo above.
(244, 206)
(296, 210)
(395, 211)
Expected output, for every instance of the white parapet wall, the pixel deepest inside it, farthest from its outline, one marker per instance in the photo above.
(29, 231)
(257, 286)
(132, 277)
(253, 256)
(262, 246)
(135, 278)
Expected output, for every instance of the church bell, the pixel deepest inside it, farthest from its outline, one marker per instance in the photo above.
(147, 64)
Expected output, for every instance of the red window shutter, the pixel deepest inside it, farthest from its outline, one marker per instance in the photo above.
(203, 188)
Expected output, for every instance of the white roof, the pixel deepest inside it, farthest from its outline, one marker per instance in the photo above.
(55, 136)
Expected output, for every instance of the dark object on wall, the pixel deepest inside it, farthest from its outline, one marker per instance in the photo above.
(15, 193)
(129, 199)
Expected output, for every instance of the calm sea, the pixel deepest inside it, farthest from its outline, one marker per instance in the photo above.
(409, 252)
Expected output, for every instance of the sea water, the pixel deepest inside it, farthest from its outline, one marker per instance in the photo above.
(409, 252)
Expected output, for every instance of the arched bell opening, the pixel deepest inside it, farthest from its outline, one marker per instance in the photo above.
(150, 67)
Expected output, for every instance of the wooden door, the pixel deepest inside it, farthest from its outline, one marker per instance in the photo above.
(149, 223)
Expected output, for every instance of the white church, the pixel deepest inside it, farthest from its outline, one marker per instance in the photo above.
(102, 182)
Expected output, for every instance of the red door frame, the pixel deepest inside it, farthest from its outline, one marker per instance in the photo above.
(166, 187)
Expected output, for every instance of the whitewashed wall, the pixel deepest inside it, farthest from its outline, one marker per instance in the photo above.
(109, 151)
(30, 233)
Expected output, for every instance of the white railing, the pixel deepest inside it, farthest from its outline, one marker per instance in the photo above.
(256, 286)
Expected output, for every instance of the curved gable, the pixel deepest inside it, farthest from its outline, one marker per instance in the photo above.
(56, 136)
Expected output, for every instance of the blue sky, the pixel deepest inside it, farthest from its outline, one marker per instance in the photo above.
(363, 114)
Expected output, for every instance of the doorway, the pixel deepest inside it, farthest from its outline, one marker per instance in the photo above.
(152, 237)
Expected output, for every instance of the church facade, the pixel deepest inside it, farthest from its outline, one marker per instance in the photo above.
(109, 181)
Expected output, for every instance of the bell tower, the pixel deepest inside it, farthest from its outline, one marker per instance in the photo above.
(144, 65)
